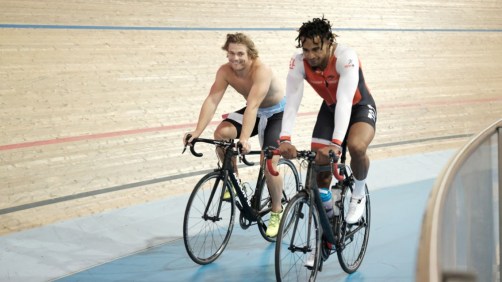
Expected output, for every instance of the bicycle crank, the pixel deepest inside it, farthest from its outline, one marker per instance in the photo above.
(244, 222)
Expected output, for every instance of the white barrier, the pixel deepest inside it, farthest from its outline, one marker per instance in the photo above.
(460, 237)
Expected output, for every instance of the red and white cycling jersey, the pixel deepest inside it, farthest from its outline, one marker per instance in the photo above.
(341, 83)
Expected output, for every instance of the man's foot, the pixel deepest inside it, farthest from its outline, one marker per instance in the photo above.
(226, 195)
(356, 209)
(273, 223)
(311, 259)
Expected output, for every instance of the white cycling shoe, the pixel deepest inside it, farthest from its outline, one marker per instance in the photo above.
(356, 209)
(310, 260)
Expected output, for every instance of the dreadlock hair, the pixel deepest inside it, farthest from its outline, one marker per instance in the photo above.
(316, 27)
(241, 38)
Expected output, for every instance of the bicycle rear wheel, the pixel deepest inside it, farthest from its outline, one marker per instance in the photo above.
(351, 251)
(290, 186)
(299, 235)
(208, 220)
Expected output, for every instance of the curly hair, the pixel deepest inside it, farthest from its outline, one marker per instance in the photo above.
(241, 38)
(316, 27)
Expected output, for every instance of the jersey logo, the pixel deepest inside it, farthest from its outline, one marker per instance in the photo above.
(372, 113)
(349, 64)
(292, 63)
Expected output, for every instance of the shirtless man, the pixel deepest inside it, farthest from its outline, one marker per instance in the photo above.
(262, 115)
(347, 113)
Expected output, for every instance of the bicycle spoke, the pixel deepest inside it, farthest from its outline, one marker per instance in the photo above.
(352, 249)
(208, 221)
(295, 240)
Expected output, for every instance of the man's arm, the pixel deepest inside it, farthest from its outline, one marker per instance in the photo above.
(211, 102)
(262, 79)
(294, 95)
(347, 66)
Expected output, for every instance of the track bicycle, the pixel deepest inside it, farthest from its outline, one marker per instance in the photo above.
(305, 229)
(209, 217)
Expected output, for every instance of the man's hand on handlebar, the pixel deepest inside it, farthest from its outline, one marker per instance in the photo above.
(322, 156)
(189, 137)
(187, 140)
(245, 146)
(287, 150)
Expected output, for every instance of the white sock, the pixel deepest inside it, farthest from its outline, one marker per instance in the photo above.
(359, 189)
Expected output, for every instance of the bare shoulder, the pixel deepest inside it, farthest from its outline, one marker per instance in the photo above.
(225, 69)
(261, 68)
(225, 72)
(259, 64)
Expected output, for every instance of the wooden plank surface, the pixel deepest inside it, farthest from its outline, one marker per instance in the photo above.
(93, 114)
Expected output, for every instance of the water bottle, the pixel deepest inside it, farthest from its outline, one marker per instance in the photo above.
(336, 195)
(326, 201)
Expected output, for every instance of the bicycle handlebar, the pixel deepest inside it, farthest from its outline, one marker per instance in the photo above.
(307, 155)
(269, 153)
(222, 143)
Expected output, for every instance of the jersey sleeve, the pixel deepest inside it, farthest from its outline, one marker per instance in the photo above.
(294, 95)
(347, 65)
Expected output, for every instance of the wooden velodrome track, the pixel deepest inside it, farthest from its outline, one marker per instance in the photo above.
(95, 96)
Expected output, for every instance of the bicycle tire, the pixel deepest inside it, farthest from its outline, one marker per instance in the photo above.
(291, 257)
(291, 185)
(206, 238)
(351, 252)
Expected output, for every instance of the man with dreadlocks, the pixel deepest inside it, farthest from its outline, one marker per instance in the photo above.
(262, 115)
(347, 114)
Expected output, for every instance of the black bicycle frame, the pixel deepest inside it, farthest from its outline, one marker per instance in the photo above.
(248, 212)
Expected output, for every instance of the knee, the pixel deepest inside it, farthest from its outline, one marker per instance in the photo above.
(221, 133)
(357, 149)
(218, 134)
(225, 131)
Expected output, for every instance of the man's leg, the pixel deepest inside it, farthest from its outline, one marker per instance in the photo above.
(360, 136)
(275, 185)
(321, 137)
(225, 131)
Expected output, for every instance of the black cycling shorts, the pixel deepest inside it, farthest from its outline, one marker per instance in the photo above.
(325, 123)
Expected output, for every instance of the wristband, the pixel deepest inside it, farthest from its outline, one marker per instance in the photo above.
(336, 142)
(285, 138)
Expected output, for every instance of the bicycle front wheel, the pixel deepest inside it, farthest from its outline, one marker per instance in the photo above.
(290, 186)
(351, 250)
(290, 180)
(298, 240)
(208, 220)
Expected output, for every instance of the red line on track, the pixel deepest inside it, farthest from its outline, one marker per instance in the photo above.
(186, 125)
(94, 136)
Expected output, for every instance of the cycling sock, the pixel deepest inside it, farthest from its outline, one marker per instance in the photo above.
(359, 190)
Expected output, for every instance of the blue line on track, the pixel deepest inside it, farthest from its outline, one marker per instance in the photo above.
(167, 28)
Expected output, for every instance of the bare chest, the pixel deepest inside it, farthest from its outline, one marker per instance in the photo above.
(241, 85)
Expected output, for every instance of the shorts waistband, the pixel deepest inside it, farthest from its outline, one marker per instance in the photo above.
(272, 110)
